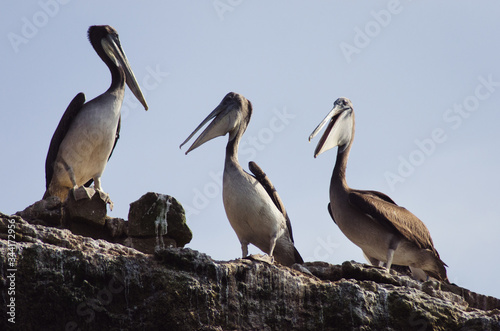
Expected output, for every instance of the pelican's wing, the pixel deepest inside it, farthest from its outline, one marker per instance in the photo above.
(372, 193)
(329, 207)
(62, 129)
(377, 194)
(117, 136)
(383, 210)
(261, 176)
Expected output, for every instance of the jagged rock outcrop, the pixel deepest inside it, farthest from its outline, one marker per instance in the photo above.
(155, 220)
(64, 281)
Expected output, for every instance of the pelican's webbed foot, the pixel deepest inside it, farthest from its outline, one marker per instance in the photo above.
(82, 192)
(261, 258)
(105, 197)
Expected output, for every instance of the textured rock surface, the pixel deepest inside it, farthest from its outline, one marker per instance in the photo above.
(45, 212)
(155, 220)
(66, 281)
(90, 212)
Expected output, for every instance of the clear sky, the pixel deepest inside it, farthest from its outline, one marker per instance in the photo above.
(423, 76)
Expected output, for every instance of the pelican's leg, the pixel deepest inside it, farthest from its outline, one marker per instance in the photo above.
(272, 244)
(97, 183)
(104, 196)
(373, 261)
(390, 257)
(393, 245)
(419, 274)
(244, 249)
(78, 193)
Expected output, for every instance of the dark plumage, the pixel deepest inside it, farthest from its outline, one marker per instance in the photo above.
(88, 131)
(386, 232)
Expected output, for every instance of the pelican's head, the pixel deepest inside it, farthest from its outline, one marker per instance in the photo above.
(230, 116)
(106, 43)
(340, 127)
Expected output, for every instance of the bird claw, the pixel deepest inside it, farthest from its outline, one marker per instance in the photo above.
(260, 257)
(303, 269)
(83, 192)
(105, 197)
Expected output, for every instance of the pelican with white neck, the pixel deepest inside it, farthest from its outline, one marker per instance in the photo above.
(252, 205)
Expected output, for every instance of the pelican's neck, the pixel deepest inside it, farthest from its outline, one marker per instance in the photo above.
(234, 140)
(232, 150)
(117, 77)
(338, 177)
(96, 36)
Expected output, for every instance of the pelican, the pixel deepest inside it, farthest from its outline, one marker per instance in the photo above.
(387, 233)
(252, 205)
(88, 131)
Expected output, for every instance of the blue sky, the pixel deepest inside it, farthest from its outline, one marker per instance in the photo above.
(423, 77)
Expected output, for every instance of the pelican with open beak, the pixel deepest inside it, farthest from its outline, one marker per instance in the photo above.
(253, 207)
(387, 233)
(88, 131)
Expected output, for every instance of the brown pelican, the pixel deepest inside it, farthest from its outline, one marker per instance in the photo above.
(252, 205)
(88, 131)
(386, 232)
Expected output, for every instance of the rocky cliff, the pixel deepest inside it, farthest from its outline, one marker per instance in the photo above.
(53, 279)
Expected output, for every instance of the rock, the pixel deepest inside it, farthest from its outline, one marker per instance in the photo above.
(46, 212)
(157, 220)
(149, 245)
(116, 228)
(83, 209)
(66, 281)
(160, 217)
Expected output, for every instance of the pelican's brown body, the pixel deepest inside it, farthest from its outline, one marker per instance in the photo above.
(386, 232)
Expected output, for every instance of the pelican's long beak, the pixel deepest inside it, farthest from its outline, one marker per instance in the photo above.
(338, 132)
(112, 46)
(225, 120)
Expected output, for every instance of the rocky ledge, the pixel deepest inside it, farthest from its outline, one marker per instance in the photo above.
(154, 221)
(53, 279)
